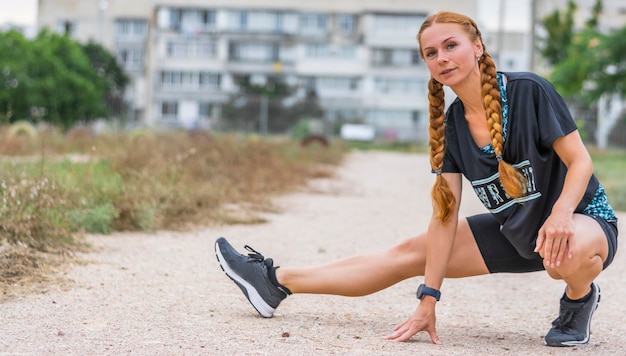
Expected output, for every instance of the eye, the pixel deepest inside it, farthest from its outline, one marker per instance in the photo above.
(430, 54)
(451, 45)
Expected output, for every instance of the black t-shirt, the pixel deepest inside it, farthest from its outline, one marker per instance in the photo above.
(537, 116)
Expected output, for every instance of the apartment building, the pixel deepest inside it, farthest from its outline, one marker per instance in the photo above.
(188, 57)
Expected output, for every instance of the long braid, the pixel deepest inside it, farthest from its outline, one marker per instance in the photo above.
(441, 193)
(513, 182)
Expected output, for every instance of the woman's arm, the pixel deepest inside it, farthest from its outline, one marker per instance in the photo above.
(440, 240)
(554, 239)
(440, 237)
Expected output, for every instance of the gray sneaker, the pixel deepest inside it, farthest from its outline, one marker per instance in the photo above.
(250, 274)
(572, 327)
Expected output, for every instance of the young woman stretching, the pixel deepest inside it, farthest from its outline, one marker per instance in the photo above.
(512, 137)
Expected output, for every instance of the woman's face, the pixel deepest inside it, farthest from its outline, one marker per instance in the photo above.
(450, 54)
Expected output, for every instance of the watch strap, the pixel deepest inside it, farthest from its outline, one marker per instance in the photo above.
(424, 290)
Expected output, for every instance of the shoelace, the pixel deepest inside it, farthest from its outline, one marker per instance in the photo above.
(255, 255)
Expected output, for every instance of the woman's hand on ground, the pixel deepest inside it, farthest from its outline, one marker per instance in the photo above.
(423, 319)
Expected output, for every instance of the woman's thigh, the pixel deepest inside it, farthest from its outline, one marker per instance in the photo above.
(408, 258)
(497, 252)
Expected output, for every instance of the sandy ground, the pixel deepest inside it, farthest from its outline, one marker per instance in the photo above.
(164, 293)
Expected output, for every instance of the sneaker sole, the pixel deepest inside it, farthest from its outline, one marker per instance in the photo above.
(264, 309)
(586, 339)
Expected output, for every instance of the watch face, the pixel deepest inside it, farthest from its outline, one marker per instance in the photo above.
(420, 291)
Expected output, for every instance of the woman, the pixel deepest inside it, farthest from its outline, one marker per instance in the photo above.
(512, 137)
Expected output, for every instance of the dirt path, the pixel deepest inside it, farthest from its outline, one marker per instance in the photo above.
(164, 293)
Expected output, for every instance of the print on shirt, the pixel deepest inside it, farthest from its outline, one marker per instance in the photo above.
(491, 192)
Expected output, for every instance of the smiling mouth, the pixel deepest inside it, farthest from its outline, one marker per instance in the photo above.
(447, 71)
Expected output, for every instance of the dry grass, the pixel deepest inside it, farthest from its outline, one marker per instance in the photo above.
(55, 187)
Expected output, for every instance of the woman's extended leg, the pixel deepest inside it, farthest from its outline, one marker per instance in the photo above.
(366, 274)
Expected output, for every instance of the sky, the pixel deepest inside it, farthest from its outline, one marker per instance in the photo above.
(24, 12)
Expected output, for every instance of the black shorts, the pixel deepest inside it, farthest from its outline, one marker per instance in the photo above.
(500, 255)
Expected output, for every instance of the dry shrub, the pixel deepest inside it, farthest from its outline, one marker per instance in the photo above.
(179, 179)
(24, 270)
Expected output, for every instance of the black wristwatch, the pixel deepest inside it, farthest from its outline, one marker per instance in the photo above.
(423, 291)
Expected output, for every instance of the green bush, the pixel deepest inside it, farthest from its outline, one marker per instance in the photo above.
(96, 219)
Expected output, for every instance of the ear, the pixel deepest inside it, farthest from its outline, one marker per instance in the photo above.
(479, 49)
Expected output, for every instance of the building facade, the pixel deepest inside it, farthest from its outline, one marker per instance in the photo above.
(187, 58)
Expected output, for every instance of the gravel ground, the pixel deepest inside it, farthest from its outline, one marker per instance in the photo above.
(164, 293)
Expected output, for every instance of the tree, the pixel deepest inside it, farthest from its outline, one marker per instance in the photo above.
(559, 27)
(589, 66)
(54, 79)
(106, 66)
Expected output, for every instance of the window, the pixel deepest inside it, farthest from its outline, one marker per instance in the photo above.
(330, 84)
(400, 86)
(205, 110)
(131, 28)
(395, 57)
(255, 52)
(310, 84)
(196, 20)
(189, 80)
(175, 18)
(123, 28)
(209, 80)
(341, 84)
(397, 23)
(190, 20)
(208, 18)
(313, 23)
(345, 52)
(316, 50)
(263, 21)
(131, 58)
(169, 109)
(345, 24)
(192, 49)
(258, 21)
(325, 51)
(243, 20)
(66, 27)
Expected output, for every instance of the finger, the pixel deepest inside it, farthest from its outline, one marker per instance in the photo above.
(571, 247)
(398, 331)
(433, 336)
(554, 248)
(540, 239)
(400, 335)
(557, 252)
(560, 252)
(393, 336)
(397, 327)
(547, 251)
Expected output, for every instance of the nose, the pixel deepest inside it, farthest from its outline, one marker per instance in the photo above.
(442, 58)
